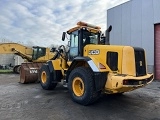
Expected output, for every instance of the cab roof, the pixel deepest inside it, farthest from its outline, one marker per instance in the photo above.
(87, 26)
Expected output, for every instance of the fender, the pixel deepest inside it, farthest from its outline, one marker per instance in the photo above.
(88, 60)
(56, 74)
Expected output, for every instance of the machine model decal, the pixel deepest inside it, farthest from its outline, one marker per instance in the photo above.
(33, 70)
(94, 52)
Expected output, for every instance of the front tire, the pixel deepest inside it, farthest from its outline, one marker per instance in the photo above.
(81, 86)
(46, 78)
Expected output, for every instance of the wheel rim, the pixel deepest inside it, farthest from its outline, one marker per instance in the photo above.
(78, 86)
(43, 77)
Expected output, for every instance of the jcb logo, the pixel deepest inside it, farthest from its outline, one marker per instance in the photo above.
(94, 52)
(33, 71)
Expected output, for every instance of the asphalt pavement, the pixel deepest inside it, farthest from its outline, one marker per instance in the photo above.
(30, 102)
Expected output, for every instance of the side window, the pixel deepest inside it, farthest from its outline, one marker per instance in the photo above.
(74, 40)
(90, 38)
(34, 55)
(38, 52)
(41, 52)
(112, 60)
(73, 52)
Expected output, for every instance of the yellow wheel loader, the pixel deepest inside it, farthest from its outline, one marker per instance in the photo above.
(91, 66)
(35, 57)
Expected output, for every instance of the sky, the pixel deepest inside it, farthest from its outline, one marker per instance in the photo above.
(41, 22)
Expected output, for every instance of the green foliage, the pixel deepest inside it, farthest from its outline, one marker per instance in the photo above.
(6, 71)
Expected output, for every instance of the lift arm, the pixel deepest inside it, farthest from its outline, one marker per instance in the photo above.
(18, 49)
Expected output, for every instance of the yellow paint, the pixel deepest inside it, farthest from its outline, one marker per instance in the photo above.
(126, 65)
(24, 51)
(125, 69)
(7, 48)
(49, 55)
(102, 56)
(69, 63)
(128, 61)
(114, 83)
(57, 64)
(78, 86)
(44, 77)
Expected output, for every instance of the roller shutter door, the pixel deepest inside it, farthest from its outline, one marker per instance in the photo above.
(157, 51)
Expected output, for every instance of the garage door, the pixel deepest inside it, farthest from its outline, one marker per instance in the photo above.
(157, 51)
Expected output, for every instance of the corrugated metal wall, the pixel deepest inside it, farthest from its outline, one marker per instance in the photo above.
(133, 24)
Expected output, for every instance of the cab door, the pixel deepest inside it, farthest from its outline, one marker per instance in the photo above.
(73, 51)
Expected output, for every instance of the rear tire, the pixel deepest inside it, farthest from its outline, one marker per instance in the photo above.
(46, 78)
(81, 86)
(16, 69)
(19, 69)
(118, 94)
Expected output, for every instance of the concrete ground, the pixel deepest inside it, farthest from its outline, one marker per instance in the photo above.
(31, 102)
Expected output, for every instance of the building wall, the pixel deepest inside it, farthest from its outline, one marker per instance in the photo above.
(18, 60)
(6, 59)
(133, 24)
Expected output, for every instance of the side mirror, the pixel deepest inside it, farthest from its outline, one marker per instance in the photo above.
(63, 36)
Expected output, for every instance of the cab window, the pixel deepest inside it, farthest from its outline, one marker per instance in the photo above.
(90, 38)
(73, 52)
(38, 52)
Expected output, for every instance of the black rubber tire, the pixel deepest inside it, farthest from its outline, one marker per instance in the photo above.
(16, 69)
(117, 94)
(49, 84)
(90, 95)
(19, 69)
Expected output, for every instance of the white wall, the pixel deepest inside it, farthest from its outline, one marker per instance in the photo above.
(6, 59)
(133, 24)
(18, 60)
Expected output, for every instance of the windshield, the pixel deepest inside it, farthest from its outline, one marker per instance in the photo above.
(90, 38)
(38, 52)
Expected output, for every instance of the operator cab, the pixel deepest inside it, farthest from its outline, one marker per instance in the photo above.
(38, 52)
(80, 36)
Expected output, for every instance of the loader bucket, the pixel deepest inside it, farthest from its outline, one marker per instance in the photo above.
(29, 72)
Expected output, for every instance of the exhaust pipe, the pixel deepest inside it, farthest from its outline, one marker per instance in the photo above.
(107, 41)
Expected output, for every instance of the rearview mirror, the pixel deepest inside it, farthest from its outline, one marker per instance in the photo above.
(63, 36)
